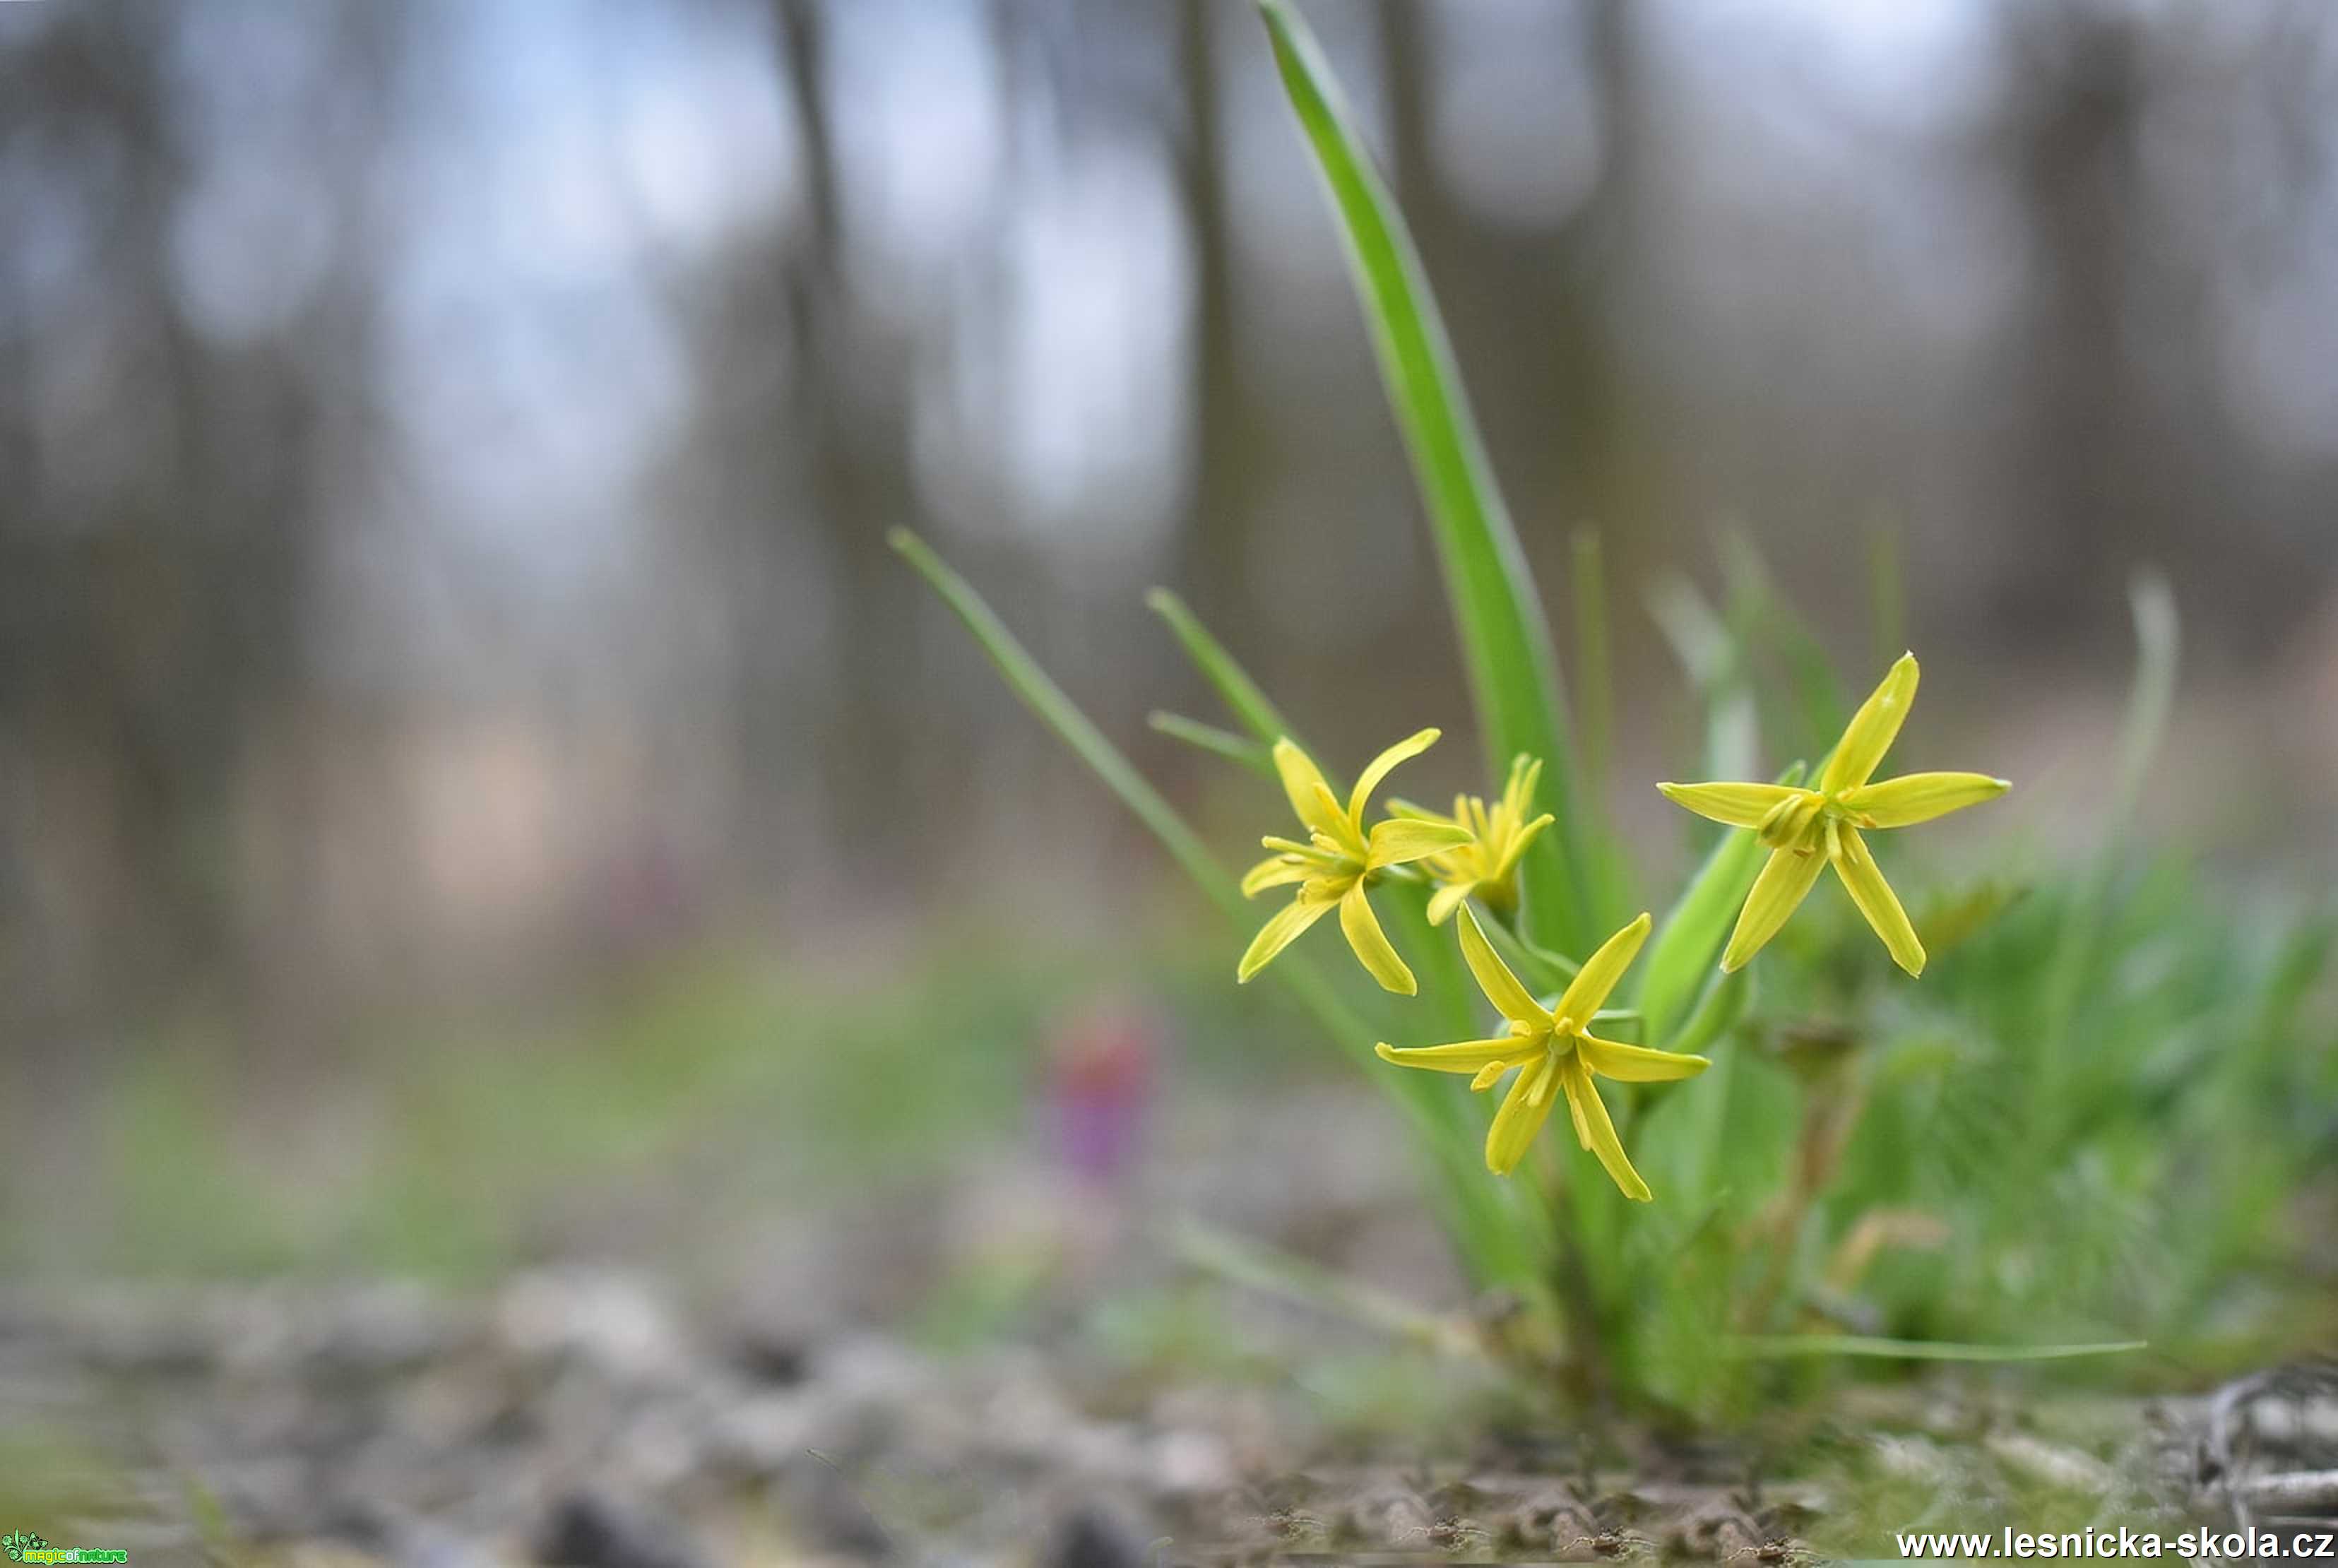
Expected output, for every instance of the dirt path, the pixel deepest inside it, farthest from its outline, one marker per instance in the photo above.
(576, 1418)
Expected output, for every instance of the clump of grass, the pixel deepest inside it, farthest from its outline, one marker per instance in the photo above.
(2083, 1131)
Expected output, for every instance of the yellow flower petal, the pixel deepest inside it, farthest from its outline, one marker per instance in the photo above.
(1872, 730)
(1447, 899)
(1347, 841)
(1920, 797)
(1738, 804)
(1598, 1131)
(1303, 781)
(1522, 1114)
(1784, 882)
(1588, 992)
(1372, 944)
(1518, 842)
(1379, 768)
(1494, 977)
(1519, 793)
(1873, 895)
(1461, 1056)
(1280, 933)
(1400, 840)
(1637, 1064)
(1275, 871)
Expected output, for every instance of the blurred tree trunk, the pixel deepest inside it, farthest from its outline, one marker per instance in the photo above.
(851, 387)
(1612, 462)
(1549, 383)
(2089, 486)
(156, 629)
(1211, 570)
(1533, 309)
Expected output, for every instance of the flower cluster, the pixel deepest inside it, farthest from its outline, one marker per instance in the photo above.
(1474, 854)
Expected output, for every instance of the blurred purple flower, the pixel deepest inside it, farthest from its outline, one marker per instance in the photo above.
(1101, 1069)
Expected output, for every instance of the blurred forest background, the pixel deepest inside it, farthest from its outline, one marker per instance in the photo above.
(446, 450)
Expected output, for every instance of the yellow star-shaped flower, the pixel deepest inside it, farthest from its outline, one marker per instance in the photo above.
(1555, 1052)
(1487, 866)
(1340, 859)
(1807, 829)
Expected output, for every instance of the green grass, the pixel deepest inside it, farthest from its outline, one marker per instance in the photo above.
(451, 1148)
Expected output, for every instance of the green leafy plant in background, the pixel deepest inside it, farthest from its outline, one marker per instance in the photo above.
(2085, 1126)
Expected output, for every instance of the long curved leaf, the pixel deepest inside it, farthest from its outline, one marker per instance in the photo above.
(1504, 638)
(1232, 683)
(1481, 1213)
(1061, 714)
(1774, 1345)
(1218, 742)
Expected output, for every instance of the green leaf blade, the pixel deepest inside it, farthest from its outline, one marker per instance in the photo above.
(1506, 640)
(1236, 749)
(1857, 1345)
(1242, 695)
(1683, 954)
(1480, 1213)
(1040, 693)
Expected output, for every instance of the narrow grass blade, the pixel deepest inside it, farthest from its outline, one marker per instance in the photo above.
(1040, 693)
(1887, 589)
(1477, 1213)
(1232, 683)
(2144, 726)
(1723, 1004)
(1504, 638)
(1707, 1115)
(2296, 969)
(1682, 1138)
(1060, 713)
(1687, 944)
(1595, 666)
(1595, 689)
(2157, 641)
(1218, 742)
(1450, 997)
(1765, 621)
(1711, 658)
(1294, 1278)
(1542, 970)
(1953, 917)
(1784, 1345)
